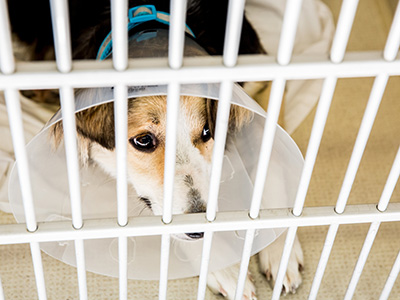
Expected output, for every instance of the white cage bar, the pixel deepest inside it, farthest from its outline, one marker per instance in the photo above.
(123, 267)
(205, 259)
(315, 140)
(289, 28)
(249, 68)
(244, 264)
(219, 148)
(393, 42)
(391, 279)
(81, 268)
(358, 150)
(390, 183)
(163, 282)
(66, 75)
(373, 229)
(121, 144)
(68, 113)
(226, 221)
(119, 11)
(361, 141)
(345, 23)
(177, 33)
(170, 150)
(38, 270)
(121, 125)
(62, 41)
(233, 32)
(286, 42)
(17, 132)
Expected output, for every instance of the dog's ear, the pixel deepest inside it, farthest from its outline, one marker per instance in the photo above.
(97, 125)
(56, 135)
(238, 117)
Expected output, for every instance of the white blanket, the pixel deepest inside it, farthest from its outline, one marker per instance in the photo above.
(314, 35)
(34, 117)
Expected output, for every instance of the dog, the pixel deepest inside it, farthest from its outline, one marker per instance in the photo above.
(90, 24)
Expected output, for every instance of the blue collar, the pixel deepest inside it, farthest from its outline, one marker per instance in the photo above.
(136, 16)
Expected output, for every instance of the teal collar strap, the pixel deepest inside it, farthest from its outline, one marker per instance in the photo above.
(136, 16)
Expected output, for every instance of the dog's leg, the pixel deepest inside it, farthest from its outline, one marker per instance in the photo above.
(224, 282)
(269, 263)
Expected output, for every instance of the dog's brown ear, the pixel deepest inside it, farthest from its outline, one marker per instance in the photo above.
(238, 117)
(97, 124)
(56, 136)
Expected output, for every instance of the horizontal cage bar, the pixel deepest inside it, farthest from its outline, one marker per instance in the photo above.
(41, 75)
(225, 221)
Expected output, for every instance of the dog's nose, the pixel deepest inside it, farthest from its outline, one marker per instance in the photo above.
(195, 235)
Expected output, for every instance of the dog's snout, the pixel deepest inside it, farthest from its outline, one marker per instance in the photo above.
(195, 235)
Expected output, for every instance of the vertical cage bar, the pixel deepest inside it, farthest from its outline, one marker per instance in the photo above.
(81, 268)
(390, 183)
(7, 62)
(205, 262)
(123, 267)
(71, 151)
(61, 32)
(233, 32)
(177, 33)
(359, 147)
(361, 141)
(291, 235)
(393, 40)
(121, 135)
(343, 29)
(170, 149)
(38, 269)
(275, 101)
(165, 247)
(321, 116)
(244, 264)
(362, 258)
(17, 134)
(221, 129)
(323, 261)
(289, 28)
(391, 279)
(119, 23)
(373, 229)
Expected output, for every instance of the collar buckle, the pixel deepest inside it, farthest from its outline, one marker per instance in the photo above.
(142, 13)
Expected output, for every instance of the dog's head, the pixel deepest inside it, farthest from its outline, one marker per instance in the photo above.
(146, 147)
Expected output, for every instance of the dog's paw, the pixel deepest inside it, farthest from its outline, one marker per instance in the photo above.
(224, 282)
(269, 263)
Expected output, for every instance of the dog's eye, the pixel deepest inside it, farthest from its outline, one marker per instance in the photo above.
(206, 133)
(144, 142)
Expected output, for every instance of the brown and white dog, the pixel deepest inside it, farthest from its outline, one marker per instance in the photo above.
(90, 24)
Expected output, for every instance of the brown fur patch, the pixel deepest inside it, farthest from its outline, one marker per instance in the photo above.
(148, 115)
(95, 123)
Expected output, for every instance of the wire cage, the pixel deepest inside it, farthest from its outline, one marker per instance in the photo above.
(348, 158)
